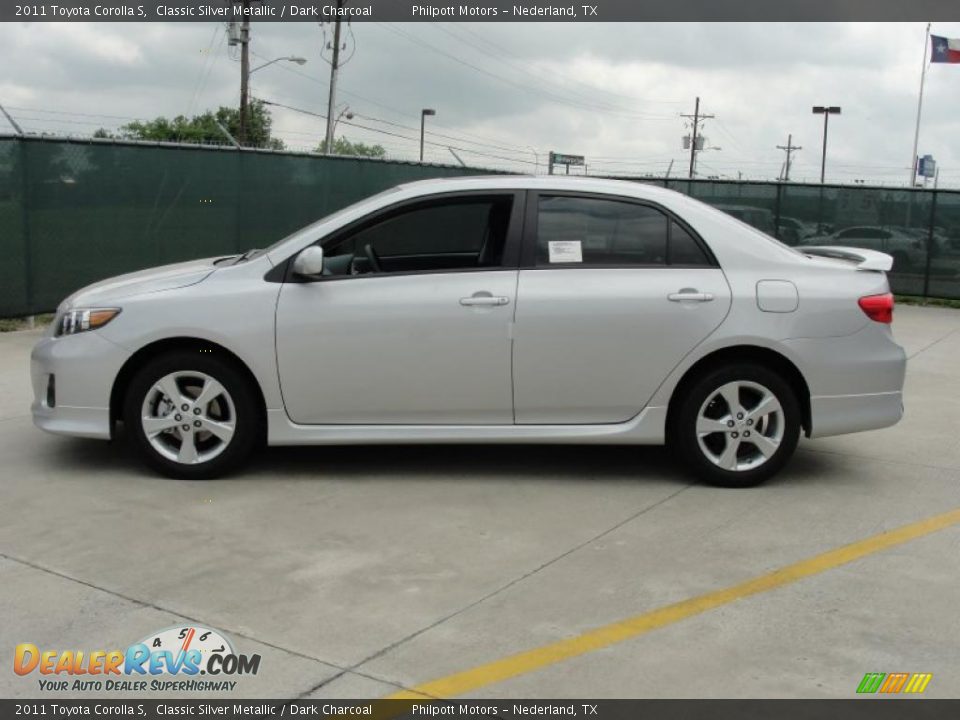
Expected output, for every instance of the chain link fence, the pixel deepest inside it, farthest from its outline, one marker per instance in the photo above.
(919, 228)
(76, 211)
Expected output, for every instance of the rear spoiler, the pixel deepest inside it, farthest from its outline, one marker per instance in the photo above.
(865, 259)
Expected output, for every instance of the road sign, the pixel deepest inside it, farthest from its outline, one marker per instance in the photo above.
(561, 159)
(926, 166)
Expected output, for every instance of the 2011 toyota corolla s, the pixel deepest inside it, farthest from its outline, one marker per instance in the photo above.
(486, 310)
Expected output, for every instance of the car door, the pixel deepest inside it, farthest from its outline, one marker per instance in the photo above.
(612, 294)
(425, 338)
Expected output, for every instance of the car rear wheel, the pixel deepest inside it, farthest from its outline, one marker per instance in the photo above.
(736, 426)
(191, 415)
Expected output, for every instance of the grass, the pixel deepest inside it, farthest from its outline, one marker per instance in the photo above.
(12, 324)
(928, 302)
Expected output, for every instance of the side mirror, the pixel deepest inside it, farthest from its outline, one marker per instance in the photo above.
(309, 263)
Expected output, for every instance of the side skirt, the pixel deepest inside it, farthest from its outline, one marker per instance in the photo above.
(646, 428)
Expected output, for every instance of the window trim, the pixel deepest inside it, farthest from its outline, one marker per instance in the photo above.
(283, 272)
(528, 259)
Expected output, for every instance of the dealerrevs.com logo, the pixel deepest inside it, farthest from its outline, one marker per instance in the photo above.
(171, 660)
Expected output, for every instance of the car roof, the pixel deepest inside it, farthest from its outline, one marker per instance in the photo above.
(542, 182)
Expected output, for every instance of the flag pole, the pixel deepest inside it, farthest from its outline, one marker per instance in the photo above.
(916, 132)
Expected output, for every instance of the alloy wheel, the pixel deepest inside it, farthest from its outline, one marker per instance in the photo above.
(740, 426)
(188, 417)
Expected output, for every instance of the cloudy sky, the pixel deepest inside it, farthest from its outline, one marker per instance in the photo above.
(508, 93)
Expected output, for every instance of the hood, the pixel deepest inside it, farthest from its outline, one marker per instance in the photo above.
(166, 277)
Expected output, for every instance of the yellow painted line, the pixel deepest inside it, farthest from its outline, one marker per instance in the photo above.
(530, 660)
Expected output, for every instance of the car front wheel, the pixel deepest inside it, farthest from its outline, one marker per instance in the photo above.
(191, 415)
(737, 425)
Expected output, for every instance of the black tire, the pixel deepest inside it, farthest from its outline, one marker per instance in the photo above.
(246, 416)
(683, 436)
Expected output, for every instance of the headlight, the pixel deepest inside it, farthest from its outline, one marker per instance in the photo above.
(81, 319)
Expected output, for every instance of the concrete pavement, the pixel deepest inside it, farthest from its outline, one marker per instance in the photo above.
(358, 572)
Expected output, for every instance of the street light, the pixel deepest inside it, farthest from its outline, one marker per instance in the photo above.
(291, 58)
(346, 112)
(700, 150)
(423, 120)
(826, 111)
(245, 85)
(536, 159)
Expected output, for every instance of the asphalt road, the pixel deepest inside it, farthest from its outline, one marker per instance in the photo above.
(362, 572)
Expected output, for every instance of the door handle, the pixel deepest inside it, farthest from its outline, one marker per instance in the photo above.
(484, 300)
(690, 296)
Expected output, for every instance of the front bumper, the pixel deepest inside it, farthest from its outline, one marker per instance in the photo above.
(85, 366)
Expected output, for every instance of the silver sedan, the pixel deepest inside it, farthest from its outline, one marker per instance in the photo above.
(486, 310)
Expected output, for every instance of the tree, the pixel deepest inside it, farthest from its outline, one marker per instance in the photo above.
(203, 128)
(342, 146)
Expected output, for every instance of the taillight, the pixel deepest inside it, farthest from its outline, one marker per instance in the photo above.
(878, 308)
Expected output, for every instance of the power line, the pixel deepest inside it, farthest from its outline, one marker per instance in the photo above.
(462, 135)
(526, 88)
(579, 97)
(566, 78)
(393, 134)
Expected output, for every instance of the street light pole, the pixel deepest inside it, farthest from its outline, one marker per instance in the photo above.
(349, 115)
(826, 111)
(423, 122)
(246, 72)
(536, 159)
(291, 58)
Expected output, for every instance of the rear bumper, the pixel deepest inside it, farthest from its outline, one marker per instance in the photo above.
(855, 381)
(839, 414)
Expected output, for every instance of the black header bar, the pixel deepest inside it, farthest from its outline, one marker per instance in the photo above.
(479, 10)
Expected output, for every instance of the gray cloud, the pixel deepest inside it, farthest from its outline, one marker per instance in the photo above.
(610, 92)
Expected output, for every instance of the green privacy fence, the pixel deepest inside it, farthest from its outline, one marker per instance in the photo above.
(75, 211)
(919, 228)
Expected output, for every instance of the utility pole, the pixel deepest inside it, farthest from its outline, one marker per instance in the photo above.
(789, 148)
(13, 123)
(334, 67)
(244, 72)
(697, 118)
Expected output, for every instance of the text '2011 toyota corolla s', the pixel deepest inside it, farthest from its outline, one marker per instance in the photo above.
(486, 310)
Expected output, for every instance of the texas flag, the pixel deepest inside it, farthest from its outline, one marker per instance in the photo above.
(945, 50)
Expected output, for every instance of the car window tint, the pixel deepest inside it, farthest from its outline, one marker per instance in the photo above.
(445, 234)
(589, 231)
(684, 249)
